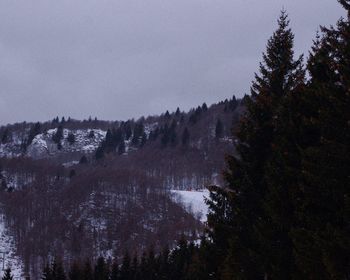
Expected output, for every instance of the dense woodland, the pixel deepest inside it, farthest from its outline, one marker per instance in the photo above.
(283, 211)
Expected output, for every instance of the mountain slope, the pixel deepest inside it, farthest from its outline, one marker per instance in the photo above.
(82, 189)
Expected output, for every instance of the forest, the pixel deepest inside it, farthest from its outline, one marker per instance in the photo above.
(283, 208)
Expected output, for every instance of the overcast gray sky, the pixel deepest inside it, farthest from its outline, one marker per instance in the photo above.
(126, 58)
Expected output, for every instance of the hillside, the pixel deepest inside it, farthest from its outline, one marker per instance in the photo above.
(80, 189)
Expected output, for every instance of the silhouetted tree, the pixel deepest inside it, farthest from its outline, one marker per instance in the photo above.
(7, 274)
(71, 138)
(219, 129)
(185, 137)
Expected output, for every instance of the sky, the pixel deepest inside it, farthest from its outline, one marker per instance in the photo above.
(121, 59)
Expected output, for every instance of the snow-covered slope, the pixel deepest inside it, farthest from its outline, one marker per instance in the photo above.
(193, 202)
(43, 145)
(13, 147)
(7, 250)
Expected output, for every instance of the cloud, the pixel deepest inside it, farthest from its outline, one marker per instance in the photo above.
(126, 58)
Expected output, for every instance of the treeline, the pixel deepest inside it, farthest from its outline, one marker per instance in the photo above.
(24, 133)
(176, 264)
(181, 263)
(171, 130)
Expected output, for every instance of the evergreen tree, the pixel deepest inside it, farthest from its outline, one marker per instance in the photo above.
(185, 137)
(3, 185)
(154, 134)
(117, 136)
(167, 115)
(142, 267)
(72, 173)
(127, 130)
(138, 132)
(180, 259)
(115, 271)
(172, 133)
(125, 267)
(58, 271)
(232, 104)
(71, 138)
(134, 268)
(6, 136)
(7, 274)
(321, 235)
(238, 218)
(166, 135)
(34, 130)
(178, 112)
(55, 120)
(99, 154)
(58, 136)
(192, 119)
(91, 134)
(101, 271)
(75, 272)
(47, 273)
(164, 265)
(87, 273)
(219, 129)
(143, 139)
(83, 160)
(152, 266)
(109, 142)
(121, 147)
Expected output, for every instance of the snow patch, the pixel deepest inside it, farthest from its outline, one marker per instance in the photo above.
(43, 146)
(8, 258)
(193, 202)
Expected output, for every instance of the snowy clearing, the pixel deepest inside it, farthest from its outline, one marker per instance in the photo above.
(193, 202)
(7, 249)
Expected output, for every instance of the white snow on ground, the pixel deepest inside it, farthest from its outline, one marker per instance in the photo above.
(7, 246)
(193, 202)
(150, 127)
(43, 146)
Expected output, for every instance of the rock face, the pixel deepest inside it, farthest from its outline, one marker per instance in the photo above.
(86, 141)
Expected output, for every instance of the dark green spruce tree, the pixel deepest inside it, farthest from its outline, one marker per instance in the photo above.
(114, 271)
(101, 271)
(321, 237)
(125, 272)
(47, 273)
(87, 273)
(7, 274)
(75, 272)
(219, 129)
(57, 270)
(238, 218)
